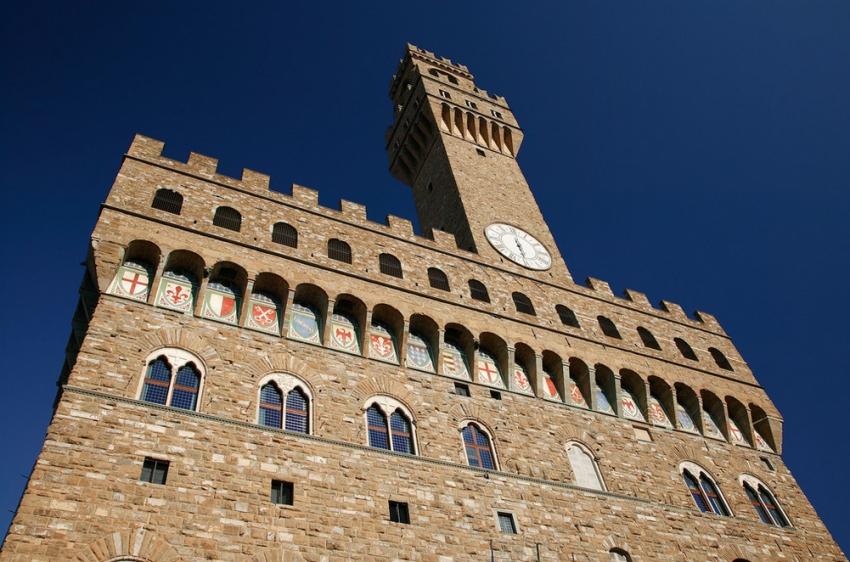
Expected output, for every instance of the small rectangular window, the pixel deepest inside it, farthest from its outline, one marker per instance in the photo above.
(471, 104)
(154, 471)
(462, 389)
(282, 492)
(507, 523)
(495, 395)
(399, 512)
(496, 114)
(445, 94)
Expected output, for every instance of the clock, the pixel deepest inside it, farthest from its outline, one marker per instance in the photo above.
(518, 246)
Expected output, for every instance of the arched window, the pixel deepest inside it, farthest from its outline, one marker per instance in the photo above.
(608, 327)
(437, 279)
(168, 201)
(478, 450)
(297, 418)
(720, 359)
(703, 490)
(157, 381)
(390, 265)
(585, 472)
(523, 303)
(567, 316)
(763, 502)
(339, 250)
(271, 406)
(228, 217)
(284, 403)
(402, 437)
(173, 378)
(283, 233)
(377, 428)
(478, 291)
(396, 436)
(647, 338)
(685, 349)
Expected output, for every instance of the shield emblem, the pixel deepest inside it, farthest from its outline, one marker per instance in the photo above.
(549, 388)
(761, 444)
(343, 334)
(711, 426)
(657, 415)
(488, 371)
(684, 418)
(304, 324)
(175, 295)
(602, 403)
(629, 407)
(576, 395)
(418, 355)
(264, 315)
(134, 283)
(521, 380)
(382, 344)
(453, 363)
(220, 303)
(735, 432)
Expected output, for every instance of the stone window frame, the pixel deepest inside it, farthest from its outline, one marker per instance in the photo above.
(593, 459)
(176, 357)
(486, 431)
(754, 483)
(696, 471)
(388, 405)
(286, 382)
(497, 512)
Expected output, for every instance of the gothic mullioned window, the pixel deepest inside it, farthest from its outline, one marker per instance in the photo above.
(398, 434)
(284, 403)
(479, 451)
(763, 502)
(585, 470)
(172, 377)
(704, 492)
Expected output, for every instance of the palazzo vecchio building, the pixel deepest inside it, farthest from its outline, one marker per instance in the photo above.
(252, 377)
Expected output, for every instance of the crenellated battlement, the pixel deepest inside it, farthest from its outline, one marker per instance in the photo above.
(206, 167)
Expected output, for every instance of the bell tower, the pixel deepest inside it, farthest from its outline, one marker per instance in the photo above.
(455, 145)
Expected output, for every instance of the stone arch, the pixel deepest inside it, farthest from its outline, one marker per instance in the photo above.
(130, 544)
(470, 412)
(183, 339)
(281, 362)
(386, 386)
(613, 542)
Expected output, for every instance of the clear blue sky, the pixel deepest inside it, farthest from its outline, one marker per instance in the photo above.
(697, 151)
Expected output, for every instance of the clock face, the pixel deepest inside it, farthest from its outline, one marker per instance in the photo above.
(518, 246)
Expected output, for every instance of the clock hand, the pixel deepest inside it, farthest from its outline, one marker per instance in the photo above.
(519, 247)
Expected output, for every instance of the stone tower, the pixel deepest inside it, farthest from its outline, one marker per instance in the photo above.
(254, 377)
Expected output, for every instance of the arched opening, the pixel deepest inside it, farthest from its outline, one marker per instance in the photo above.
(458, 350)
(585, 470)
(524, 371)
(660, 404)
(492, 360)
(553, 376)
(522, 303)
(720, 359)
(339, 250)
(180, 281)
(567, 316)
(739, 422)
(385, 334)
(579, 383)
(764, 437)
(685, 349)
(389, 265)
(229, 218)
(713, 417)
(604, 389)
(608, 327)
(422, 342)
(306, 319)
(223, 297)
(647, 338)
(478, 291)
(265, 309)
(438, 279)
(687, 409)
(633, 395)
(285, 234)
(133, 278)
(347, 320)
(167, 200)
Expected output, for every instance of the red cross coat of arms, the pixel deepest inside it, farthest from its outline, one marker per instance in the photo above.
(488, 373)
(134, 283)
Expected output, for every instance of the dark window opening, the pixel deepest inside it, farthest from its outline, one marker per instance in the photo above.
(608, 327)
(567, 316)
(399, 512)
(685, 349)
(390, 265)
(478, 291)
(495, 395)
(507, 523)
(154, 471)
(285, 234)
(481, 152)
(339, 250)
(438, 279)
(227, 217)
(462, 389)
(282, 492)
(168, 201)
(523, 304)
(720, 359)
(647, 338)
